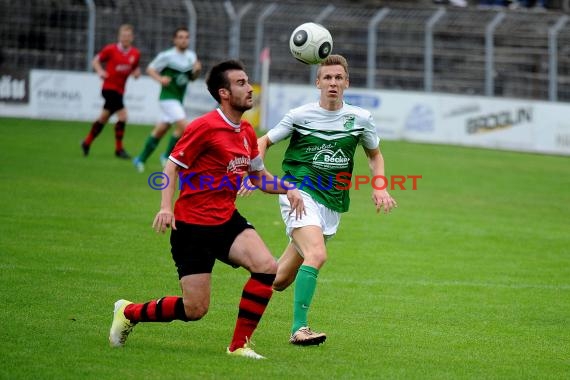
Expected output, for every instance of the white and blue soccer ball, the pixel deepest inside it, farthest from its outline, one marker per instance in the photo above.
(311, 43)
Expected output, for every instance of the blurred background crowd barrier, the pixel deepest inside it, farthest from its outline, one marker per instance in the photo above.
(430, 46)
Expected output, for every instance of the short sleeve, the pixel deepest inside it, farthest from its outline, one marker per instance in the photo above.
(282, 130)
(159, 62)
(191, 144)
(105, 53)
(369, 138)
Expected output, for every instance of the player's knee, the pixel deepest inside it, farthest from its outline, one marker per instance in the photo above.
(266, 265)
(315, 259)
(271, 266)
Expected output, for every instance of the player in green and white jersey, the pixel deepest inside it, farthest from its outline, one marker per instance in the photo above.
(173, 69)
(323, 139)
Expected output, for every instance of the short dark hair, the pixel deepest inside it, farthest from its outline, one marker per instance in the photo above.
(218, 76)
(180, 29)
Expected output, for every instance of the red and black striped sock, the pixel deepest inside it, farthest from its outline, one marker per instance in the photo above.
(96, 128)
(165, 309)
(119, 133)
(254, 299)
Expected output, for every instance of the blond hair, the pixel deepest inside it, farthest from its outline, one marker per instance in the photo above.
(332, 60)
(126, 27)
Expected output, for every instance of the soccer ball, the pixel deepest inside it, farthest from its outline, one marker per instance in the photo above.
(311, 43)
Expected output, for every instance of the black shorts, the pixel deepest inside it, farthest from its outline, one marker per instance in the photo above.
(113, 101)
(195, 248)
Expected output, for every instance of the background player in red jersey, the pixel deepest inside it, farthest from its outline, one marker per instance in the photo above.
(210, 158)
(121, 60)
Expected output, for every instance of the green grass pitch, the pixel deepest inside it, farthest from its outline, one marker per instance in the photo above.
(469, 278)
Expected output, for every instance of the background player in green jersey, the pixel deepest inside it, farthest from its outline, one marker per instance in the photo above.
(173, 69)
(323, 139)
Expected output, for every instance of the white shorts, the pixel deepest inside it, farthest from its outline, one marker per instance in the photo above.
(172, 111)
(317, 215)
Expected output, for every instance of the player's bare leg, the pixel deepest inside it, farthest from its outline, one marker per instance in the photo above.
(196, 295)
(288, 265)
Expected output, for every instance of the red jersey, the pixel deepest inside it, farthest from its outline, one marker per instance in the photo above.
(120, 64)
(213, 154)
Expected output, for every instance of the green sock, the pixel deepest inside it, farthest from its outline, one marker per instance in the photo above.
(305, 285)
(171, 142)
(149, 146)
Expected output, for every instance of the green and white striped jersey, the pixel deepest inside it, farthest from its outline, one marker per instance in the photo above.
(322, 147)
(178, 66)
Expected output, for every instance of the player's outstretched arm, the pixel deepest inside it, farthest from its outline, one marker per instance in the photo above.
(154, 74)
(263, 143)
(268, 183)
(381, 198)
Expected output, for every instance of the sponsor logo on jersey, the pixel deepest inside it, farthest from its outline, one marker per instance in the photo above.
(328, 159)
(315, 148)
(181, 79)
(123, 68)
(238, 165)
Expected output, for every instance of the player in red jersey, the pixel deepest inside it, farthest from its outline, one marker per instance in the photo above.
(121, 60)
(210, 158)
